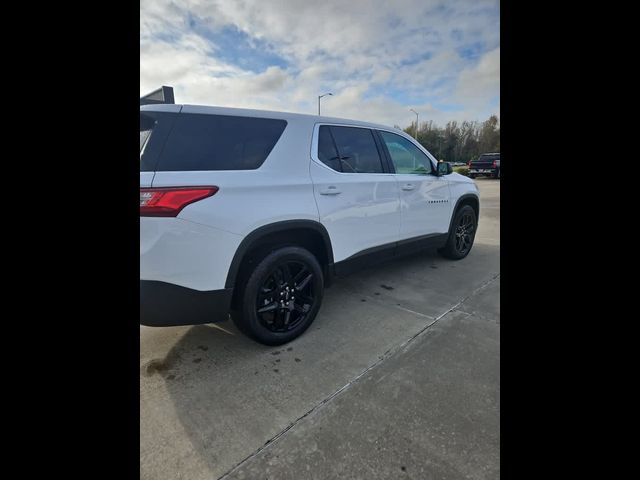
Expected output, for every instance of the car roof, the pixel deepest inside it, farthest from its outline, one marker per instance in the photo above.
(245, 112)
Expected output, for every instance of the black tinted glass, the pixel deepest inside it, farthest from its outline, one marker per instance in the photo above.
(357, 150)
(146, 126)
(218, 142)
(154, 128)
(327, 153)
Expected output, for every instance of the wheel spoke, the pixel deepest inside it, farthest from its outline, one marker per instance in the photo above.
(287, 315)
(302, 273)
(305, 281)
(268, 308)
(265, 294)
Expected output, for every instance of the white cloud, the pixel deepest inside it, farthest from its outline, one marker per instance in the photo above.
(370, 54)
(477, 83)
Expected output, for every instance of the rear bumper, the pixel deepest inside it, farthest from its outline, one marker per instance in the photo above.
(164, 304)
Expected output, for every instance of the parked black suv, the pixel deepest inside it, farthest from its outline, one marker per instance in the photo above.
(487, 164)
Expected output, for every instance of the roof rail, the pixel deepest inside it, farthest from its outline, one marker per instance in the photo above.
(163, 95)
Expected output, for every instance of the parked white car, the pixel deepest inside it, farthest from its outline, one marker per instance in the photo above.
(253, 212)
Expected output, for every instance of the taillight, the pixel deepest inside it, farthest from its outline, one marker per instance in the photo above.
(494, 164)
(168, 201)
(469, 164)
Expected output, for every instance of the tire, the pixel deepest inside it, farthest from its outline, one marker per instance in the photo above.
(497, 173)
(462, 234)
(472, 175)
(269, 313)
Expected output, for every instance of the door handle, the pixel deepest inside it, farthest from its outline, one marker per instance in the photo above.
(330, 190)
(408, 186)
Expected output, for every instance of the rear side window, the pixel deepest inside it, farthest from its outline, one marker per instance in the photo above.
(219, 142)
(356, 149)
(327, 152)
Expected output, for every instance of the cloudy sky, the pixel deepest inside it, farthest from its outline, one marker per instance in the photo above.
(379, 58)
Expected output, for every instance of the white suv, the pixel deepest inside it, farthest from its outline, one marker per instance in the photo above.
(251, 213)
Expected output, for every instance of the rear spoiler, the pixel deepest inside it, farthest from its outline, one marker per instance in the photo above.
(163, 95)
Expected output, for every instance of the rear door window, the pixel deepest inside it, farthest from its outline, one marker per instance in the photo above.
(327, 152)
(200, 142)
(357, 150)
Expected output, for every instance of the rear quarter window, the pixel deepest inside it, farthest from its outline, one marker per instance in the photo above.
(154, 129)
(219, 142)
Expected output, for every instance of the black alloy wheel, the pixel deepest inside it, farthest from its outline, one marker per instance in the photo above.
(462, 234)
(280, 297)
(465, 231)
(286, 297)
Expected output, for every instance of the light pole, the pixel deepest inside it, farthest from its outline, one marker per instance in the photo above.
(416, 121)
(319, 100)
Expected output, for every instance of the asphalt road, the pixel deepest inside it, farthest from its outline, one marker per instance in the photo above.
(398, 377)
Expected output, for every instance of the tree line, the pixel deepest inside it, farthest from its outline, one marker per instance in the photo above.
(458, 142)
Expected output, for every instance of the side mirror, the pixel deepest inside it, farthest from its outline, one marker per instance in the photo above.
(444, 168)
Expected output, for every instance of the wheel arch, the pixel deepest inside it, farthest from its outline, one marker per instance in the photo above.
(467, 199)
(306, 233)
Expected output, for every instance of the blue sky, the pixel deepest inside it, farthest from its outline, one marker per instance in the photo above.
(378, 58)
